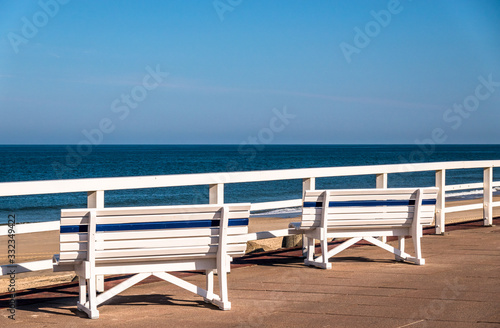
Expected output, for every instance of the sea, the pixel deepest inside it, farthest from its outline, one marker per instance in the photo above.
(56, 162)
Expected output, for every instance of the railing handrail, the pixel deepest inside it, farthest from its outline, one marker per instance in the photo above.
(175, 180)
(95, 188)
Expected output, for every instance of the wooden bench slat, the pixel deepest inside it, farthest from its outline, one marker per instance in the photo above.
(172, 233)
(369, 192)
(152, 210)
(350, 210)
(352, 198)
(83, 220)
(136, 226)
(362, 216)
(364, 213)
(178, 251)
(150, 243)
(114, 240)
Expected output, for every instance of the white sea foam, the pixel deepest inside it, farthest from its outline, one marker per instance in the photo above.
(469, 194)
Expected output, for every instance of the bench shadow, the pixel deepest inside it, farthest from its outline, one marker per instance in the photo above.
(293, 257)
(158, 299)
(66, 306)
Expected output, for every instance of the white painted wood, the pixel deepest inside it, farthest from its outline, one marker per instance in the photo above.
(381, 183)
(324, 228)
(151, 210)
(221, 261)
(366, 224)
(82, 288)
(95, 199)
(182, 283)
(348, 243)
(155, 265)
(401, 246)
(381, 180)
(210, 285)
(308, 184)
(464, 186)
(389, 248)
(151, 218)
(488, 196)
(177, 233)
(30, 227)
(462, 208)
(121, 287)
(147, 253)
(26, 267)
(440, 202)
(313, 211)
(85, 185)
(216, 194)
(103, 184)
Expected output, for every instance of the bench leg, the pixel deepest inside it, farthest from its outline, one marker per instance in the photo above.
(82, 286)
(210, 286)
(401, 246)
(322, 261)
(324, 253)
(418, 251)
(92, 287)
(309, 250)
(224, 303)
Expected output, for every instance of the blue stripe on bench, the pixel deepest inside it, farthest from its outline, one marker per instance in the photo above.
(153, 225)
(358, 203)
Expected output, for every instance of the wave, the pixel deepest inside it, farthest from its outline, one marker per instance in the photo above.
(469, 194)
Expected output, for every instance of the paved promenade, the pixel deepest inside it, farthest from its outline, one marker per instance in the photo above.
(458, 287)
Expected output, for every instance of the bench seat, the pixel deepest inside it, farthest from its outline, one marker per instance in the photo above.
(149, 241)
(364, 214)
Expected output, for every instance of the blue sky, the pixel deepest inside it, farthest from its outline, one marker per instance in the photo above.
(234, 71)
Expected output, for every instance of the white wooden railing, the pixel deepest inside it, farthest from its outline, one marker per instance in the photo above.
(96, 187)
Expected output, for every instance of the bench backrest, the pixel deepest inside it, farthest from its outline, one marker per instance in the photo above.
(355, 208)
(152, 233)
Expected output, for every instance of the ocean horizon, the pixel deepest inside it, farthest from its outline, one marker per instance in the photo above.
(54, 162)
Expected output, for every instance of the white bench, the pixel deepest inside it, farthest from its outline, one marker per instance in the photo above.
(364, 214)
(151, 241)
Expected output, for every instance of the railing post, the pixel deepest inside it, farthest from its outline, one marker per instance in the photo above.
(488, 196)
(440, 202)
(382, 181)
(216, 194)
(95, 199)
(308, 184)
